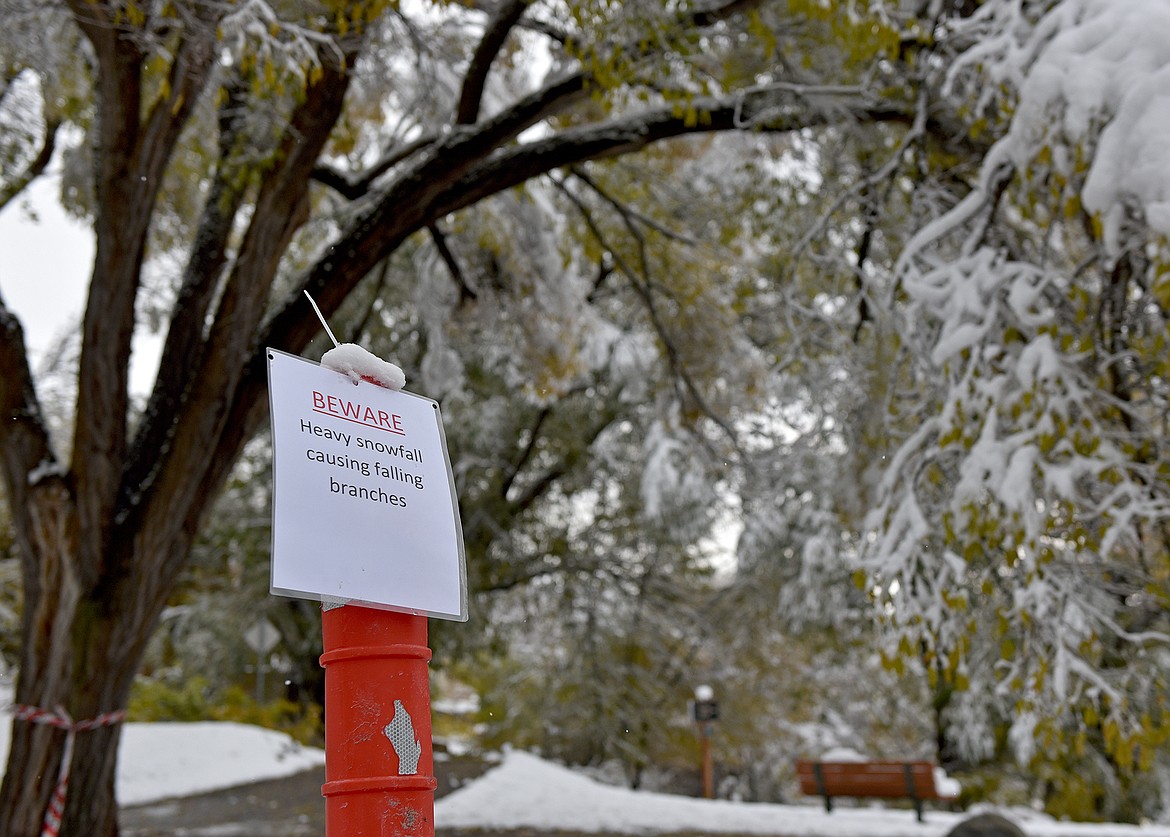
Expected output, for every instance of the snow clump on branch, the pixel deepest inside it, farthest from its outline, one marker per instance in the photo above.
(1093, 72)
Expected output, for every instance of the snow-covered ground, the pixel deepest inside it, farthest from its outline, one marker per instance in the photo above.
(159, 761)
(528, 792)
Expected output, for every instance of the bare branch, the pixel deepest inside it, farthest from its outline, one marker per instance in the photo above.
(35, 168)
(132, 156)
(189, 464)
(629, 212)
(440, 242)
(24, 436)
(639, 278)
(184, 342)
(468, 167)
(517, 466)
(523, 114)
(354, 188)
(359, 331)
(501, 129)
(505, 18)
(537, 489)
(715, 14)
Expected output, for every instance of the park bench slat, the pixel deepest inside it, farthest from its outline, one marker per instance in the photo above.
(887, 779)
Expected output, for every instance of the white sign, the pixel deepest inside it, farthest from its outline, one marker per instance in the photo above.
(364, 504)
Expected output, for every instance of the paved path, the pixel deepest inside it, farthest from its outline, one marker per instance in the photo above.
(291, 807)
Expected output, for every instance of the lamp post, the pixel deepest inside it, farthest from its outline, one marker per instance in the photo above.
(704, 712)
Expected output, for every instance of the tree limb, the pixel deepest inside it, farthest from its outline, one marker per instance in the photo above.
(132, 155)
(627, 212)
(517, 466)
(501, 23)
(35, 168)
(440, 242)
(490, 134)
(184, 344)
(280, 207)
(24, 436)
(353, 188)
(510, 123)
(358, 332)
(639, 278)
(463, 170)
(456, 174)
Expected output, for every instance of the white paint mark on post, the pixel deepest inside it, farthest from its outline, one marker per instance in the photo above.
(400, 731)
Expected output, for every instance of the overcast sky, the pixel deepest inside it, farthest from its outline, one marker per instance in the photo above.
(45, 260)
(44, 263)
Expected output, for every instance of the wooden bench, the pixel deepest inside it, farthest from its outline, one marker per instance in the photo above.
(913, 780)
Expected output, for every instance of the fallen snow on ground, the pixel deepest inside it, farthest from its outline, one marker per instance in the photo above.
(163, 760)
(528, 792)
(158, 761)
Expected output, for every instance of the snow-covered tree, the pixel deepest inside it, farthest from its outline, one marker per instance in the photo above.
(1025, 506)
(908, 257)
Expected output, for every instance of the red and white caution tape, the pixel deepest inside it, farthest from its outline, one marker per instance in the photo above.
(60, 719)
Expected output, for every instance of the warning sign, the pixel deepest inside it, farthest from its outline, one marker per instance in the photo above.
(364, 503)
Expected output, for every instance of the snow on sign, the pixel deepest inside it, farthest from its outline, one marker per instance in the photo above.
(364, 504)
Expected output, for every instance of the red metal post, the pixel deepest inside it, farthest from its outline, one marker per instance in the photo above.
(379, 762)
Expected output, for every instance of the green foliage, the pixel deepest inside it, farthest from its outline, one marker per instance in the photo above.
(859, 35)
(301, 721)
(193, 700)
(1083, 784)
(155, 700)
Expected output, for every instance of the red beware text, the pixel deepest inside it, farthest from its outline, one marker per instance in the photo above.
(358, 413)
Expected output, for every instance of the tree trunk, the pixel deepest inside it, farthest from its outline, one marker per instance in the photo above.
(51, 594)
(102, 541)
(81, 654)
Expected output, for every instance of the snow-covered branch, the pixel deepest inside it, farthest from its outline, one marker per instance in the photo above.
(1035, 491)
